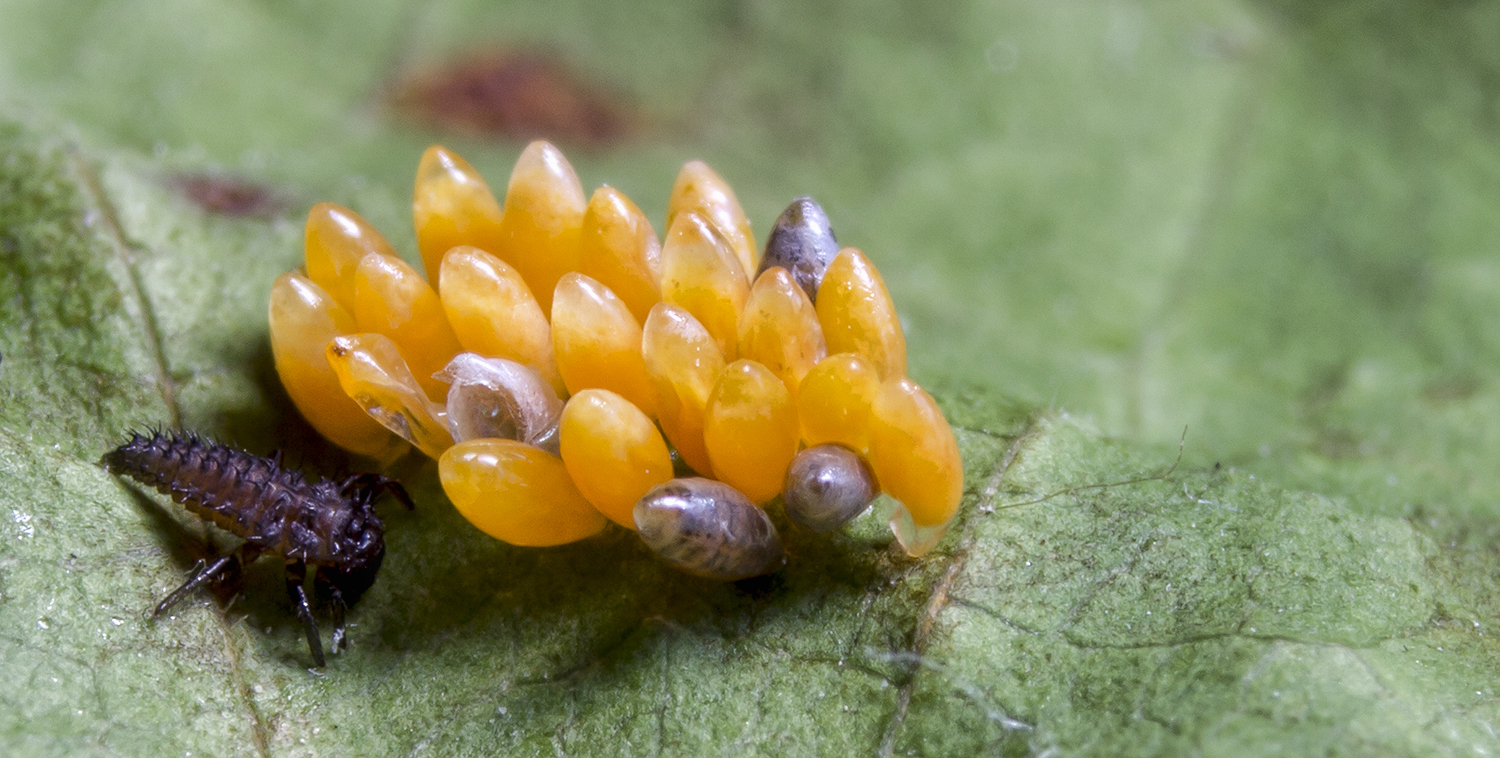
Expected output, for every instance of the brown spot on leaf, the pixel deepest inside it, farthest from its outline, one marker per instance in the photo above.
(518, 95)
(227, 195)
(1450, 389)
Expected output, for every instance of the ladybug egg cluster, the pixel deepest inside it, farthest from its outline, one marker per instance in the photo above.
(564, 366)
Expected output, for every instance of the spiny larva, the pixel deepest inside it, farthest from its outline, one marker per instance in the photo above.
(327, 527)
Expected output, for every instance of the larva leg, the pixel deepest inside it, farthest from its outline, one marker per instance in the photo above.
(296, 574)
(336, 599)
(208, 571)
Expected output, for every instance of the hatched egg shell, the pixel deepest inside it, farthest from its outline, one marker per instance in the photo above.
(372, 373)
(499, 398)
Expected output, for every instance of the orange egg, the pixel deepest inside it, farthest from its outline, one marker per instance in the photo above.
(391, 298)
(619, 249)
(517, 493)
(493, 312)
(684, 363)
(858, 316)
(701, 275)
(613, 452)
(750, 430)
(700, 189)
(597, 342)
(304, 318)
(543, 222)
(336, 240)
(452, 206)
(779, 328)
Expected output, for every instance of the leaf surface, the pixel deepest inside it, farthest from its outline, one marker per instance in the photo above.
(1271, 223)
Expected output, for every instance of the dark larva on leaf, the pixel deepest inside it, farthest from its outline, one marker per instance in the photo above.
(327, 527)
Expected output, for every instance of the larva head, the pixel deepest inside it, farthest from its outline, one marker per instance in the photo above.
(356, 536)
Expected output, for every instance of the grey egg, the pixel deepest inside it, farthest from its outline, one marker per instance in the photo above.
(708, 528)
(826, 486)
(801, 242)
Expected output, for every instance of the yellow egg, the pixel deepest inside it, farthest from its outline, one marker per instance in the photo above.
(391, 298)
(303, 319)
(613, 452)
(452, 206)
(779, 328)
(619, 249)
(750, 430)
(516, 493)
(597, 342)
(543, 222)
(701, 275)
(493, 312)
(699, 188)
(834, 399)
(914, 453)
(858, 316)
(336, 240)
(684, 362)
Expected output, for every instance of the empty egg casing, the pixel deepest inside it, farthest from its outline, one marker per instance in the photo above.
(709, 529)
(826, 486)
(502, 399)
(801, 242)
(372, 373)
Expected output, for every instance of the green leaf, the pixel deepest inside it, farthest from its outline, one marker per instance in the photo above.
(1271, 223)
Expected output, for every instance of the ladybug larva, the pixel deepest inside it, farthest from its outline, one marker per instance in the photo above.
(566, 365)
(326, 528)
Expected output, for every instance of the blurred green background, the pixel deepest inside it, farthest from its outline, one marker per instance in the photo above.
(1274, 223)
